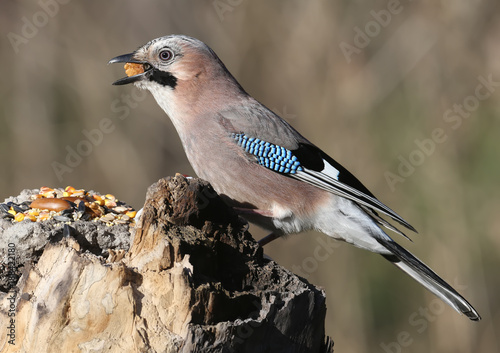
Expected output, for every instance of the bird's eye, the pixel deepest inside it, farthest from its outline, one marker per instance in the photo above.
(166, 55)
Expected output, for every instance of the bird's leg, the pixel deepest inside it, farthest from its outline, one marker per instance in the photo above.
(253, 211)
(268, 238)
(266, 213)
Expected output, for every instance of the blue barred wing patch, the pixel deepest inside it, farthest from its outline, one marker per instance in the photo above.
(271, 156)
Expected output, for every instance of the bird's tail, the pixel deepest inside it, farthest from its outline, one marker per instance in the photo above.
(430, 280)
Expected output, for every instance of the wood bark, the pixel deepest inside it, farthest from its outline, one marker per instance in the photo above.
(193, 280)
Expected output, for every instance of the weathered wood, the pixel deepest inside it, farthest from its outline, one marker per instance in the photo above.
(193, 280)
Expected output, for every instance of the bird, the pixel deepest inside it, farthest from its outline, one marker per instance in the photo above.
(260, 165)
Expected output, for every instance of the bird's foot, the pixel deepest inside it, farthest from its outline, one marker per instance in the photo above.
(268, 238)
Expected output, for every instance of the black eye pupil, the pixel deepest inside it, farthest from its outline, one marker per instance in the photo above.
(166, 55)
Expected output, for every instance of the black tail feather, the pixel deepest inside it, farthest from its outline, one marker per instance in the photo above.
(404, 260)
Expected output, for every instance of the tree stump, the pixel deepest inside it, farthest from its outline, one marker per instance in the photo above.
(193, 280)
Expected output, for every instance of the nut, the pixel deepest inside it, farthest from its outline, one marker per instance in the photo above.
(132, 69)
(50, 204)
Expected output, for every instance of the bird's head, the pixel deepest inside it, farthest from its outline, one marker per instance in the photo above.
(166, 60)
(174, 68)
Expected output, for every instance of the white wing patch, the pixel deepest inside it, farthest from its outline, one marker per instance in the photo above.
(331, 171)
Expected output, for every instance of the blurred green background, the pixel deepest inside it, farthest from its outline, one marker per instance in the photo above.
(363, 80)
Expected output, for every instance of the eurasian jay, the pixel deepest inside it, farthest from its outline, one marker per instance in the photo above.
(260, 164)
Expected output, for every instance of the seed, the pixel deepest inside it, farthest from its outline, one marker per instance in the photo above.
(45, 189)
(12, 212)
(47, 192)
(59, 193)
(109, 203)
(51, 204)
(73, 199)
(108, 218)
(97, 210)
(44, 216)
(81, 206)
(68, 211)
(17, 208)
(120, 209)
(70, 189)
(5, 211)
(19, 217)
(33, 213)
(22, 207)
(67, 230)
(80, 192)
(62, 219)
(79, 215)
(31, 217)
(131, 214)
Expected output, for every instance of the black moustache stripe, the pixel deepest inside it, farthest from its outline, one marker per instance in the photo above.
(163, 78)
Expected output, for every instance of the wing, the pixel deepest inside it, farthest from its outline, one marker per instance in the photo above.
(311, 165)
(253, 119)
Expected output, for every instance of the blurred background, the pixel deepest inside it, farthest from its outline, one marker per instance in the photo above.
(404, 94)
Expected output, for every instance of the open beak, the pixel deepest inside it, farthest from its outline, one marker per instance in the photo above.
(129, 59)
